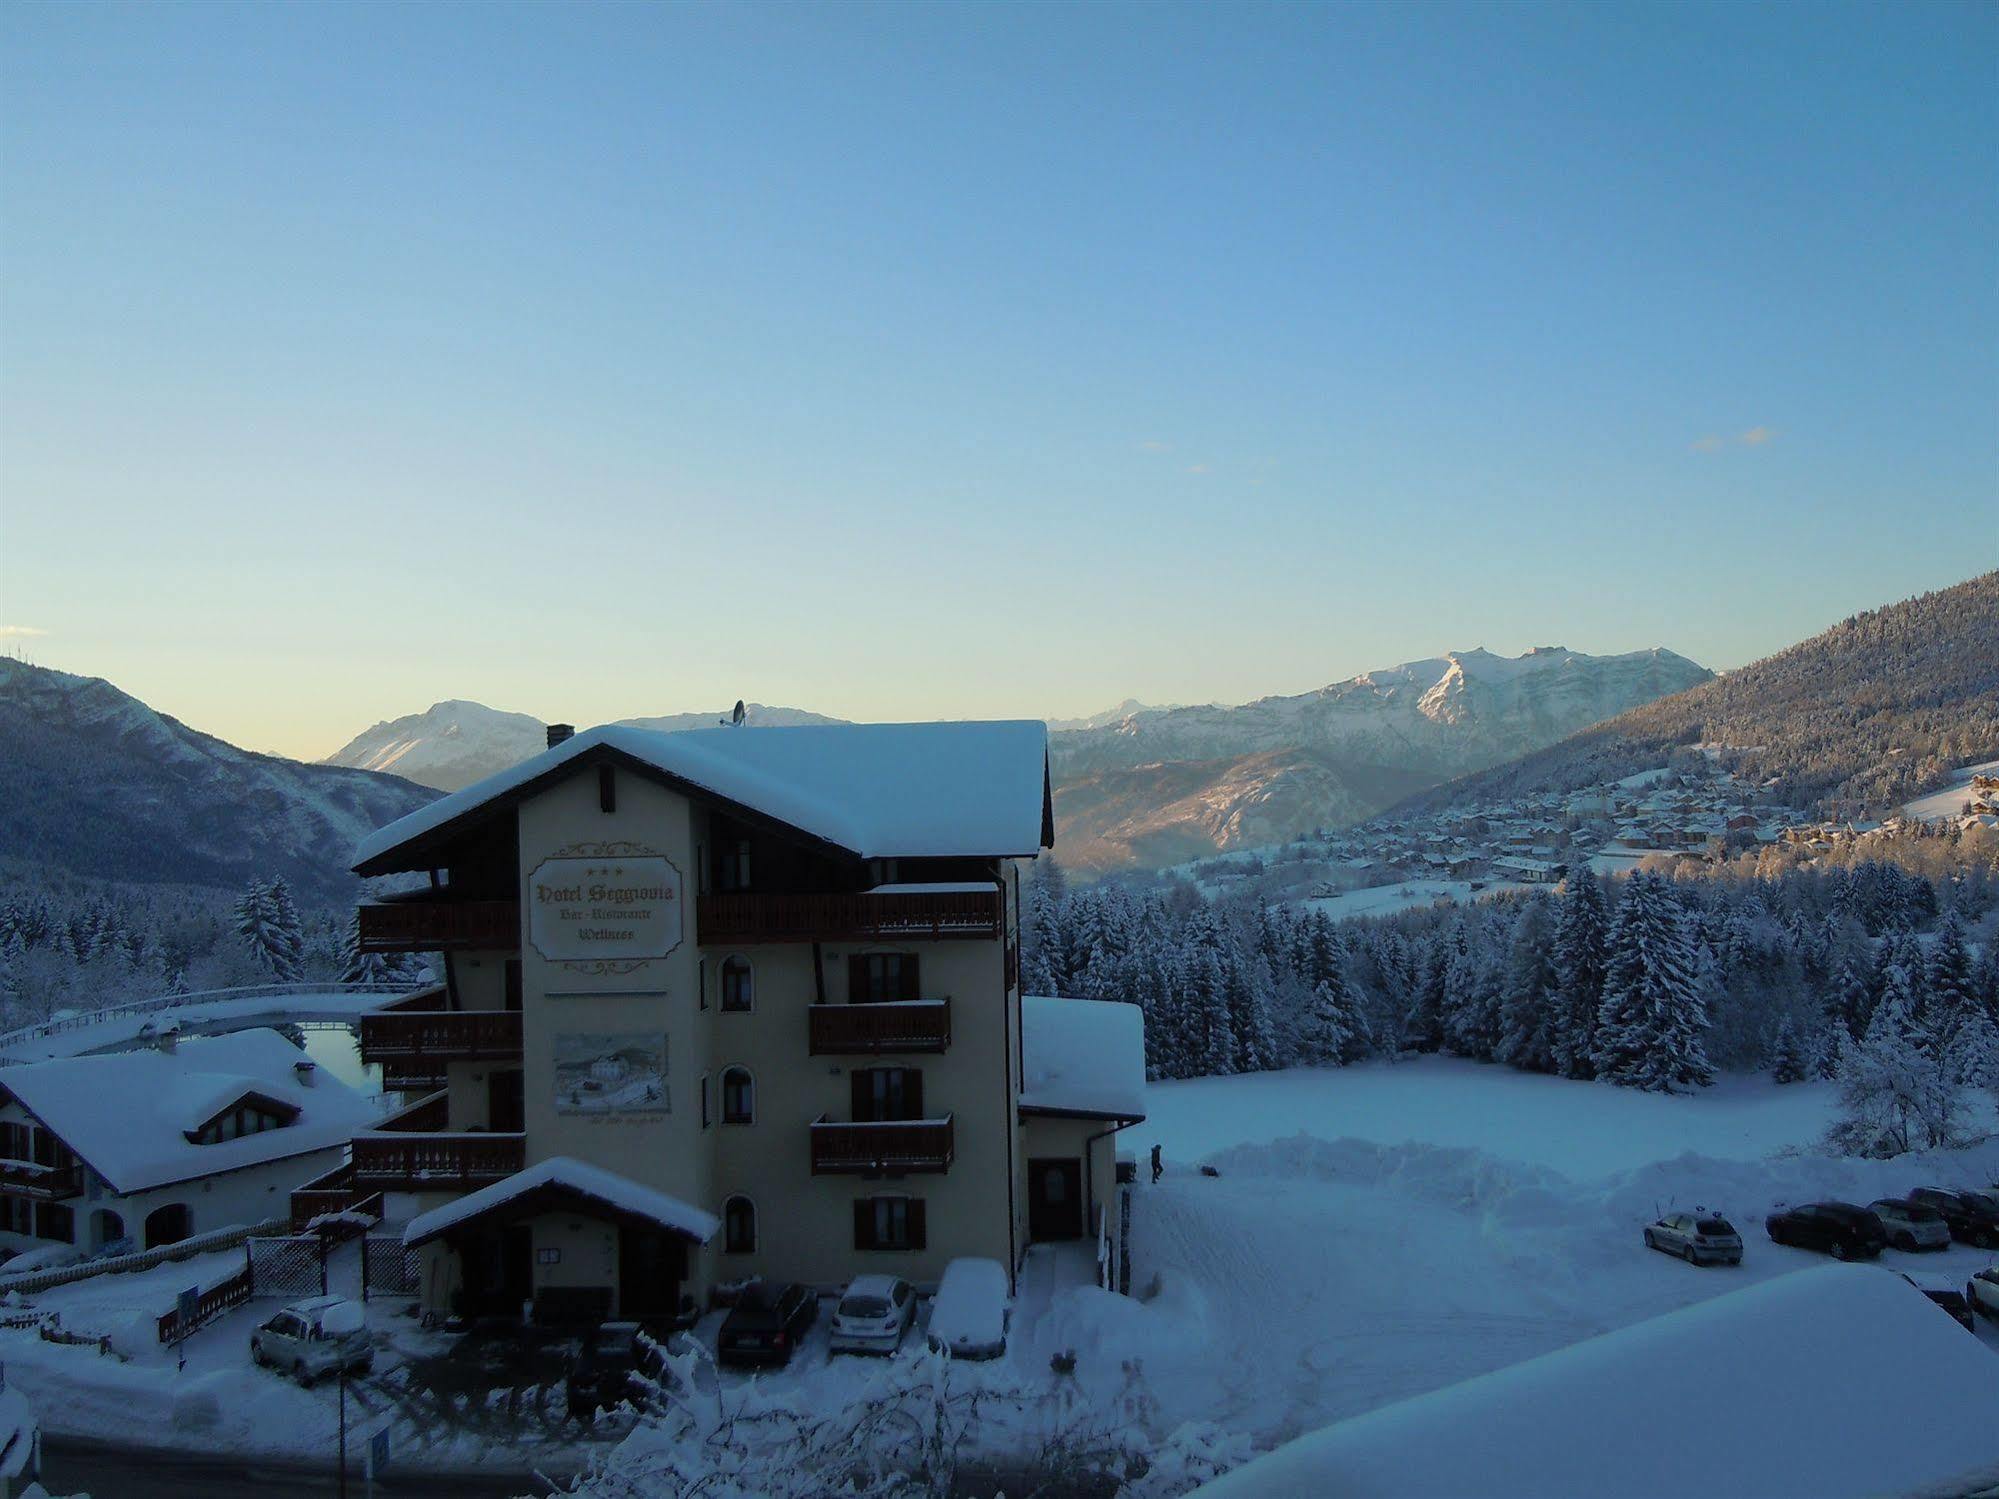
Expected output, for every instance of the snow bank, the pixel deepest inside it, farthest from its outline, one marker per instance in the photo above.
(1839, 1381)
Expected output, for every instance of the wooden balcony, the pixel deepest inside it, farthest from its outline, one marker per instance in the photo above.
(882, 1148)
(732, 920)
(421, 1042)
(868, 1030)
(400, 1161)
(49, 1183)
(404, 1076)
(441, 926)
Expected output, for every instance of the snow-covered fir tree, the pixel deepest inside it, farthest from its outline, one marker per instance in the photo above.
(1651, 1028)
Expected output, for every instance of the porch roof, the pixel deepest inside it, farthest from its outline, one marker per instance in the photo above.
(562, 1183)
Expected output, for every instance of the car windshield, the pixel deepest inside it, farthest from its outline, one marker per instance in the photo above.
(864, 1306)
(1713, 1226)
(1916, 1213)
(759, 1298)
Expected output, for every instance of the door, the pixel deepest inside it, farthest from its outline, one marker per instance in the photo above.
(506, 1103)
(651, 1265)
(499, 1271)
(1055, 1199)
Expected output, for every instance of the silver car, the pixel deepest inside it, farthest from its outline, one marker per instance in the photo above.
(1911, 1225)
(873, 1314)
(1697, 1238)
(309, 1339)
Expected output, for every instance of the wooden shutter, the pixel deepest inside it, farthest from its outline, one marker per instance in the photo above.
(912, 1093)
(911, 989)
(863, 1094)
(918, 1238)
(864, 1223)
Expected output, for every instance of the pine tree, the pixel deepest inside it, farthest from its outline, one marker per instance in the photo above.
(1527, 992)
(1651, 1029)
(1893, 1096)
(1581, 933)
(1423, 1030)
(1787, 1061)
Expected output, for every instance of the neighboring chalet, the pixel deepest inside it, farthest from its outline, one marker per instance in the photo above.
(734, 1002)
(154, 1146)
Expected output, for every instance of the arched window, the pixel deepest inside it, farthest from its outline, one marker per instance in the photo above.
(736, 993)
(739, 1226)
(168, 1225)
(739, 1096)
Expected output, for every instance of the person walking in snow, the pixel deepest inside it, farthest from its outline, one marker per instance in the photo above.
(1158, 1166)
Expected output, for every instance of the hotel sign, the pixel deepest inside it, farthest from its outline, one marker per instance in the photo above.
(604, 908)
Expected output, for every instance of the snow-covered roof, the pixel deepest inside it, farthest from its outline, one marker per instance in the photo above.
(881, 791)
(1083, 1057)
(125, 1112)
(573, 1178)
(1752, 1392)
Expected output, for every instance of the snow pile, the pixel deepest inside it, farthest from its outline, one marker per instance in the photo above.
(970, 1314)
(1083, 1056)
(1813, 1384)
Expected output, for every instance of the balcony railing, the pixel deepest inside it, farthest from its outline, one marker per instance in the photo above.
(404, 1076)
(860, 917)
(27, 1179)
(878, 1148)
(440, 926)
(906, 1025)
(403, 1162)
(419, 1040)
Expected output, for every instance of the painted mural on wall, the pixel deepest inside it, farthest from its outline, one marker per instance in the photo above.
(607, 1073)
(605, 907)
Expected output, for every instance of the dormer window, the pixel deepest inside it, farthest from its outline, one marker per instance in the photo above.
(251, 1115)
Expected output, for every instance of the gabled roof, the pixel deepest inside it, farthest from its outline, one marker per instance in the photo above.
(878, 791)
(564, 1183)
(1083, 1058)
(126, 1113)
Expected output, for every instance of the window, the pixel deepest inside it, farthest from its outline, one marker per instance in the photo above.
(244, 1119)
(739, 1226)
(704, 1100)
(882, 977)
(889, 1223)
(732, 865)
(736, 984)
(54, 1220)
(739, 1096)
(884, 1094)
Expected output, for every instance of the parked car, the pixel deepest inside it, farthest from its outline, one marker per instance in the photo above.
(1948, 1297)
(766, 1324)
(1697, 1238)
(313, 1338)
(1982, 1292)
(1911, 1225)
(872, 1315)
(1840, 1229)
(973, 1307)
(614, 1355)
(1970, 1216)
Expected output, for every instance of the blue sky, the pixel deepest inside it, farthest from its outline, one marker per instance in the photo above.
(926, 361)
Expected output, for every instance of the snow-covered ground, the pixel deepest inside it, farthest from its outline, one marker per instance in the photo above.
(1952, 800)
(1409, 895)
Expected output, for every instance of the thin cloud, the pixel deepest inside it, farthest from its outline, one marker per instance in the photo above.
(1755, 437)
(1155, 446)
(20, 632)
(1708, 444)
(1197, 468)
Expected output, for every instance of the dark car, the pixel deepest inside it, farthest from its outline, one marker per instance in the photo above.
(766, 1325)
(1840, 1229)
(1949, 1298)
(1972, 1217)
(616, 1360)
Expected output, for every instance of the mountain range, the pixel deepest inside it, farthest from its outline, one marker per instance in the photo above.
(95, 783)
(1146, 786)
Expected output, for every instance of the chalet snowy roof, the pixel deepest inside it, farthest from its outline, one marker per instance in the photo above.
(1083, 1057)
(880, 791)
(576, 1183)
(126, 1113)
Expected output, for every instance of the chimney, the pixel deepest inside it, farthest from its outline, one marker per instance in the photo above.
(307, 1073)
(558, 732)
